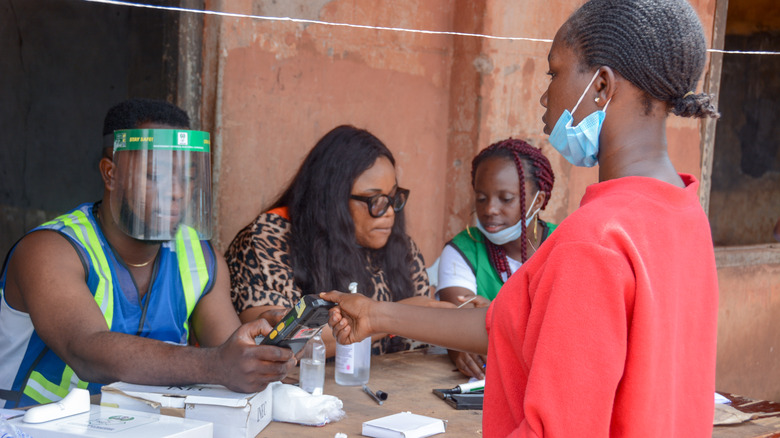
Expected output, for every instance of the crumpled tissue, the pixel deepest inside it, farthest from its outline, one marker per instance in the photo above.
(294, 405)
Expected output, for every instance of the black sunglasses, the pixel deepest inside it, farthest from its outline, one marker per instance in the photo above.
(378, 204)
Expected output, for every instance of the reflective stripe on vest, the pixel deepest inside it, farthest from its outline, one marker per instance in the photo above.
(192, 269)
(78, 221)
(43, 391)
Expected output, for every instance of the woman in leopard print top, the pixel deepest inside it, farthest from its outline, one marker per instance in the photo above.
(340, 220)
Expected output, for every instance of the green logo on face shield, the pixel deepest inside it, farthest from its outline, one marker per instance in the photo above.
(162, 182)
(162, 139)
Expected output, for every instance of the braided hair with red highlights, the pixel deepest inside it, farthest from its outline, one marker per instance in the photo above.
(520, 153)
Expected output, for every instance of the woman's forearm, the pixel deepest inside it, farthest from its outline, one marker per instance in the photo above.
(458, 329)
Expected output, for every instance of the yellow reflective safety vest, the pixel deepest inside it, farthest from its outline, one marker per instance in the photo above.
(183, 272)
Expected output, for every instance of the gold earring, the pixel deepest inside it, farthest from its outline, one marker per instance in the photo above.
(597, 100)
(468, 227)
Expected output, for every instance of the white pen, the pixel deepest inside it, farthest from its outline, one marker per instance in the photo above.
(477, 385)
(467, 301)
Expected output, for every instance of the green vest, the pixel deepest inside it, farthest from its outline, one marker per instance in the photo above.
(470, 243)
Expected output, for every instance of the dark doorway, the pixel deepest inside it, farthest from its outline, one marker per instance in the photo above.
(745, 194)
(65, 62)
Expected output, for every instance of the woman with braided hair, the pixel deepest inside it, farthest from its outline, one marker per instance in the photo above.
(609, 330)
(512, 181)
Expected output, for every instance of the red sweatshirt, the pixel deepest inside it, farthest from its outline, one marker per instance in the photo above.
(609, 330)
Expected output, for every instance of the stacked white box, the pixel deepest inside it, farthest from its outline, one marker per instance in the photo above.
(233, 414)
(103, 422)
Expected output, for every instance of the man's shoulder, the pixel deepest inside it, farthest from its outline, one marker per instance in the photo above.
(44, 249)
(54, 231)
(51, 245)
(77, 218)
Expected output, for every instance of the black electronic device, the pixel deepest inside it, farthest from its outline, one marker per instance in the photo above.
(465, 401)
(302, 322)
(469, 400)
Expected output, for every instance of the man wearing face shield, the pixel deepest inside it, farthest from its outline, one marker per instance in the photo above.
(114, 290)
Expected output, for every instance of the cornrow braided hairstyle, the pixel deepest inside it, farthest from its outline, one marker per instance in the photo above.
(524, 156)
(657, 45)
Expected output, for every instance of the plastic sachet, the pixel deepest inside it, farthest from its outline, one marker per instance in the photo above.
(294, 405)
(8, 430)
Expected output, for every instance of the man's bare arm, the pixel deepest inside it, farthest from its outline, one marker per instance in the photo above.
(214, 318)
(46, 280)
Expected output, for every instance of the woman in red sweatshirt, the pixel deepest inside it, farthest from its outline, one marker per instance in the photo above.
(610, 329)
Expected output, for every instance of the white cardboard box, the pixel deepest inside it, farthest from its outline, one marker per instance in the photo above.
(233, 414)
(403, 425)
(102, 421)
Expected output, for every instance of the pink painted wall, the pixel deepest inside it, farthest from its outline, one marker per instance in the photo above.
(282, 86)
(434, 100)
(748, 328)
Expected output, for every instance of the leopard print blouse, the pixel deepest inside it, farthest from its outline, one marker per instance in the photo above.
(261, 274)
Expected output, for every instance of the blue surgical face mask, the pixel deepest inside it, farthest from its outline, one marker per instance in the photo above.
(579, 144)
(512, 233)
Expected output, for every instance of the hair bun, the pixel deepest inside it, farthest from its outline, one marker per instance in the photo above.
(694, 105)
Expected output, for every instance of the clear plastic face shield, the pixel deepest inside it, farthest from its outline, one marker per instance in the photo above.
(163, 182)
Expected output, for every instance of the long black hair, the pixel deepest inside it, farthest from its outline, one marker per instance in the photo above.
(324, 252)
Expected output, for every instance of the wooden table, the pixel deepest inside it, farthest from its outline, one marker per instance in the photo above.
(766, 426)
(407, 378)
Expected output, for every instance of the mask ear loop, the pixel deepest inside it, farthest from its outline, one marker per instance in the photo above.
(537, 211)
(585, 92)
(532, 204)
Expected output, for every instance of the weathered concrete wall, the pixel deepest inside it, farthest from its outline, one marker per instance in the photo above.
(283, 85)
(434, 100)
(748, 329)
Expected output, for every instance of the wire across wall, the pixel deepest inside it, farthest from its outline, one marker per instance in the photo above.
(365, 26)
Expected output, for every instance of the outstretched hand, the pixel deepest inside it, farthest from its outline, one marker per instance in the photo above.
(243, 366)
(349, 320)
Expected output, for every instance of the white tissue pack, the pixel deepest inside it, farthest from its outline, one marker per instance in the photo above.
(294, 405)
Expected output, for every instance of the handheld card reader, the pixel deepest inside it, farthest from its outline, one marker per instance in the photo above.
(302, 322)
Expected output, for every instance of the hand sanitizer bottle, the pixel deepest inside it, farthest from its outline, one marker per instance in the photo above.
(353, 361)
(312, 373)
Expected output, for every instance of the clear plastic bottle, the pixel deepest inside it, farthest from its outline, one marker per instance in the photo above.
(353, 361)
(312, 373)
